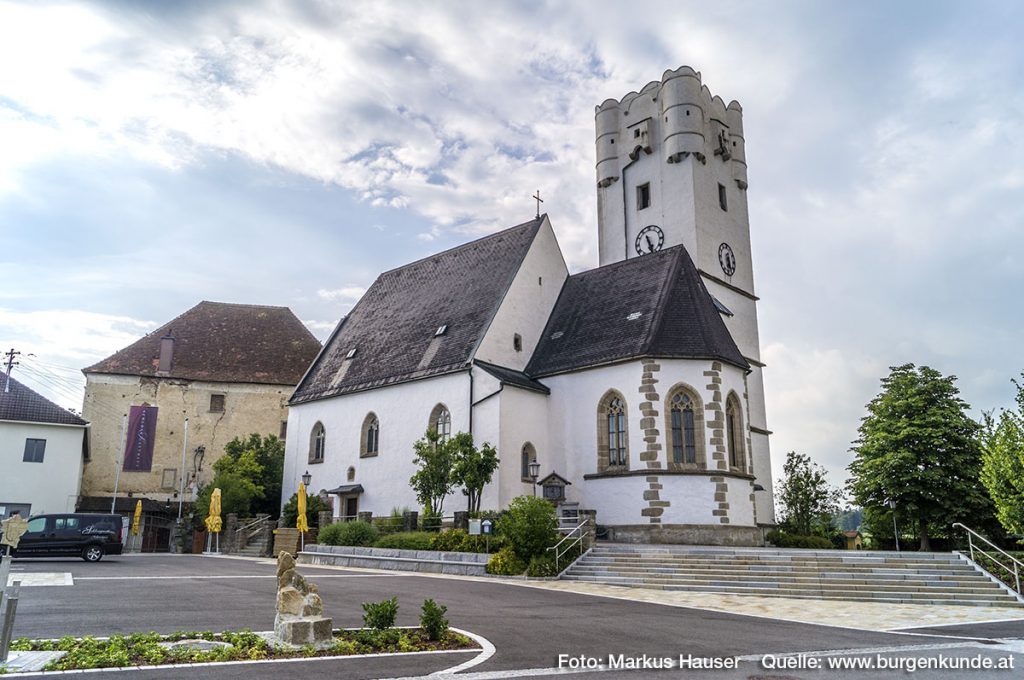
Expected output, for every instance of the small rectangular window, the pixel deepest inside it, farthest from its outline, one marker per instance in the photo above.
(722, 201)
(643, 196)
(216, 403)
(169, 479)
(284, 430)
(34, 450)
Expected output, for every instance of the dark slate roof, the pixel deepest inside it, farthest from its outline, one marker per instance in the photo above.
(392, 326)
(126, 506)
(650, 306)
(222, 342)
(509, 376)
(25, 405)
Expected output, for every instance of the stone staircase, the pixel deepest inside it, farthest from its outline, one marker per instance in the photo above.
(910, 578)
(259, 547)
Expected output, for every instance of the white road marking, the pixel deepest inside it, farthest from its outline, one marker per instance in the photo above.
(218, 664)
(198, 577)
(41, 578)
(958, 623)
(860, 651)
(486, 652)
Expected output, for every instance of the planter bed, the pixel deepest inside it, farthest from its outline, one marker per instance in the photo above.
(152, 649)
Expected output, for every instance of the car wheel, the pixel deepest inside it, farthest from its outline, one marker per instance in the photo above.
(92, 553)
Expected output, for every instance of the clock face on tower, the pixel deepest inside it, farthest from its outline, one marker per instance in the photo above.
(649, 240)
(727, 259)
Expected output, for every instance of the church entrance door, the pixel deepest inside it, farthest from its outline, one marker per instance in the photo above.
(351, 508)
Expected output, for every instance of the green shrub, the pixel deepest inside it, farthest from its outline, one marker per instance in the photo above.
(530, 526)
(348, 533)
(505, 562)
(432, 620)
(430, 521)
(380, 615)
(409, 540)
(459, 540)
(783, 540)
(544, 565)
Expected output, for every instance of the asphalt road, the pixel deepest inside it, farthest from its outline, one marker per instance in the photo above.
(529, 627)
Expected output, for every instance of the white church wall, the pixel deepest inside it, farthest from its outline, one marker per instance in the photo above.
(524, 418)
(527, 304)
(403, 411)
(486, 428)
(742, 324)
(573, 425)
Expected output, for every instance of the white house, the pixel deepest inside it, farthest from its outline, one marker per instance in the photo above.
(42, 447)
(638, 382)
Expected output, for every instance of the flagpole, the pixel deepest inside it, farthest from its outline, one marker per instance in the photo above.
(181, 485)
(119, 462)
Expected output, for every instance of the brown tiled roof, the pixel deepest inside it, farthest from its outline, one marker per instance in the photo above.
(24, 405)
(221, 342)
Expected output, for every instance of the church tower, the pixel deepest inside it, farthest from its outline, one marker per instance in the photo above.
(671, 170)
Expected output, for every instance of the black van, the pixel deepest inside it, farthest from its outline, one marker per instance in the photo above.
(87, 536)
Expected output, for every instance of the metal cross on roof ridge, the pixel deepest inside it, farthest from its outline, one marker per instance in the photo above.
(539, 201)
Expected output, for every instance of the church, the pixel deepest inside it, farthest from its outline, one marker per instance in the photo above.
(635, 387)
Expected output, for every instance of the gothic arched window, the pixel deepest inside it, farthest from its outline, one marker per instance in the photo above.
(685, 428)
(370, 439)
(529, 454)
(734, 433)
(441, 422)
(317, 441)
(612, 438)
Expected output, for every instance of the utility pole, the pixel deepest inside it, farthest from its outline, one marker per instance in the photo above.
(11, 363)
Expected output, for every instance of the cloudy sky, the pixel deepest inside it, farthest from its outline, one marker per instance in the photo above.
(153, 155)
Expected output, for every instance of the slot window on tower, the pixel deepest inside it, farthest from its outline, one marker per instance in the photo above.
(723, 203)
(643, 196)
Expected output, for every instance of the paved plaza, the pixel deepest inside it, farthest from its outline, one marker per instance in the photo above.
(528, 625)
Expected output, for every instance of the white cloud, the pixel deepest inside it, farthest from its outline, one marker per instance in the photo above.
(347, 294)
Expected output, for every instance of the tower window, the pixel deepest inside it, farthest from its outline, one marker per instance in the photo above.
(723, 202)
(643, 196)
(216, 403)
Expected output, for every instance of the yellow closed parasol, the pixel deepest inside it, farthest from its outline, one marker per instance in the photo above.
(213, 521)
(135, 518)
(301, 523)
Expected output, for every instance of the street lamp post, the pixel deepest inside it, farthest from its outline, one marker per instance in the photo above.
(306, 479)
(895, 531)
(534, 473)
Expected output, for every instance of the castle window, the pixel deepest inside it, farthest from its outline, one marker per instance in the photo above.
(216, 403)
(723, 202)
(528, 455)
(441, 422)
(317, 440)
(643, 196)
(370, 440)
(734, 433)
(612, 441)
(685, 428)
(517, 342)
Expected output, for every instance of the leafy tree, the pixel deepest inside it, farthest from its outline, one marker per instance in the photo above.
(268, 454)
(435, 478)
(474, 467)
(918, 448)
(314, 506)
(248, 476)
(1002, 472)
(806, 499)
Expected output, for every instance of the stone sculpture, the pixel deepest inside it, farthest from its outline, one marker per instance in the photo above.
(300, 619)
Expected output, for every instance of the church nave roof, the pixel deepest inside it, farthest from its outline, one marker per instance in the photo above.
(655, 305)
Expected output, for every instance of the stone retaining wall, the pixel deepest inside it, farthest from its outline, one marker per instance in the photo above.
(467, 564)
(692, 534)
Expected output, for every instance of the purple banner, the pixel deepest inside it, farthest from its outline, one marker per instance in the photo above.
(138, 450)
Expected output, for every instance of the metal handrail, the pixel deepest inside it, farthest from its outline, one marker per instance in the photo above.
(1018, 566)
(573, 543)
